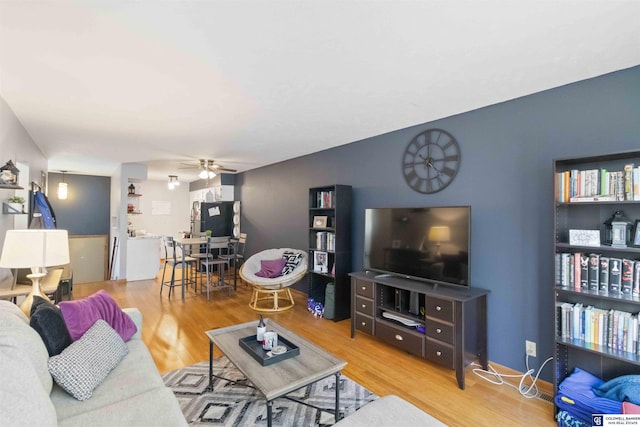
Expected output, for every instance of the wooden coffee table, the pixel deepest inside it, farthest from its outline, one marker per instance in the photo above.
(276, 380)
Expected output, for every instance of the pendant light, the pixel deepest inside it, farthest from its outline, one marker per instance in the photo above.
(173, 182)
(62, 188)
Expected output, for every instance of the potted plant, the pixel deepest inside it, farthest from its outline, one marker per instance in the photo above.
(15, 204)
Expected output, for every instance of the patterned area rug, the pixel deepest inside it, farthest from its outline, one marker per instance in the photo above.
(233, 402)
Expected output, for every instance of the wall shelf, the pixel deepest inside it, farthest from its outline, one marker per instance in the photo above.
(11, 187)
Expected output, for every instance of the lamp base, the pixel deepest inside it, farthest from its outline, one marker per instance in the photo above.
(36, 290)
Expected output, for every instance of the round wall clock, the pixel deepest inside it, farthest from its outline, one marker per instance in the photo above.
(431, 161)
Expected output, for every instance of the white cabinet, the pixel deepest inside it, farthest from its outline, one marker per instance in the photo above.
(143, 257)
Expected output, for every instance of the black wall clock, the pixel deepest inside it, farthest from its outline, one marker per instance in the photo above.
(431, 161)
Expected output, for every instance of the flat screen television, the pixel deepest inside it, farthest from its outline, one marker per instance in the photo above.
(426, 243)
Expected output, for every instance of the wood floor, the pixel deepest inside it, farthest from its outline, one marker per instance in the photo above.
(174, 329)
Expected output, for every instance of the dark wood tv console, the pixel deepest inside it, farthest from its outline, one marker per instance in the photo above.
(443, 324)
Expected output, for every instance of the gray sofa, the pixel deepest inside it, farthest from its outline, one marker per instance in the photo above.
(133, 394)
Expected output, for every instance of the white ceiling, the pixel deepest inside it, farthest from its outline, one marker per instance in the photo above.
(253, 82)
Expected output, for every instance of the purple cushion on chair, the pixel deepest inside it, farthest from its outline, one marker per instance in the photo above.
(80, 315)
(271, 268)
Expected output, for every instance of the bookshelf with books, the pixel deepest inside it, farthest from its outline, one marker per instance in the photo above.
(597, 280)
(330, 246)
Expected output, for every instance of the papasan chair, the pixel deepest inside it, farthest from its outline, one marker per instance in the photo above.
(271, 272)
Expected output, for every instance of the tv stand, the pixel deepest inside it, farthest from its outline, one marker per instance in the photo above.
(450, 328)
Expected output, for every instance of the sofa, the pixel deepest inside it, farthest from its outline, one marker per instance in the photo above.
(132, 394)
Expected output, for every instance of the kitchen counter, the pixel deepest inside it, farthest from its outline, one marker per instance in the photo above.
(145, 236)
(143, 257)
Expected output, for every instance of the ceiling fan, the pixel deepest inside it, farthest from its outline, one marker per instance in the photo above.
(208, 168)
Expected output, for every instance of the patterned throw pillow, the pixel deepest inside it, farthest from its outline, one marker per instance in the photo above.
(82, 366)
(293, 259)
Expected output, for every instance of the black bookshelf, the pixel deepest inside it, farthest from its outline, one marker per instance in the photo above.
(600, 358)
(330, 240)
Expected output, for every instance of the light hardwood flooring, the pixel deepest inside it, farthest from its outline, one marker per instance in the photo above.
(174, 329)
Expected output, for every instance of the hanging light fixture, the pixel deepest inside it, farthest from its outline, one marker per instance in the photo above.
(62, 188)
(173, 182)
(206, 171)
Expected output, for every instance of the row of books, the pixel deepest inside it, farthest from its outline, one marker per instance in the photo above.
(614, 329)
(326, 241)
(325, 199)
(596, 272)
(594, 185)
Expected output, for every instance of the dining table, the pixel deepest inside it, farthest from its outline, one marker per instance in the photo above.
(187, 244)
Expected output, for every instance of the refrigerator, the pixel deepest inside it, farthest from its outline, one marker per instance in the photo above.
(217, 217)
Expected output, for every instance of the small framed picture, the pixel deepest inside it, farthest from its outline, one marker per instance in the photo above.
(320, 262)
(636, 234)
(320, 221)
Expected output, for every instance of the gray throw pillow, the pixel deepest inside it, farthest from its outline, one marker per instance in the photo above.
(82, 366)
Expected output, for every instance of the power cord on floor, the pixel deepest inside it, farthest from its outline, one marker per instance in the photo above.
(528, 391)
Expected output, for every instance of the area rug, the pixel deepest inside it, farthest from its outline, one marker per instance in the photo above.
(234, 402)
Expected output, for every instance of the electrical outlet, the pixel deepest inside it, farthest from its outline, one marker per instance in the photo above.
(530, 348)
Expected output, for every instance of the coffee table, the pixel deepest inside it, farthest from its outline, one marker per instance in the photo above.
(276, 380)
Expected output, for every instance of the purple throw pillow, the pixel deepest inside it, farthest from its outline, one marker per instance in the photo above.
(271, 268)
(80, 315)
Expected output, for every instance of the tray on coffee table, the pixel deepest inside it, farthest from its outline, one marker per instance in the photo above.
(254, 348)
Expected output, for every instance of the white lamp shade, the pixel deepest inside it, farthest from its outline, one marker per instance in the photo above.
(439, 234)
(62, 191)
(35, 248)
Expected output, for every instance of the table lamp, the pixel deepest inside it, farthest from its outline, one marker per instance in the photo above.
(35, 249)
(439, 234)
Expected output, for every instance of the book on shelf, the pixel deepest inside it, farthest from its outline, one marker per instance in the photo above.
(615, 274)
(598, 185)
(584, 272)
(594, 271)
(635, 291)
(626, 281)
(613, 329)
(603, 284)
(325, 199)
(597, 273)
(326, 241)
(628, 181)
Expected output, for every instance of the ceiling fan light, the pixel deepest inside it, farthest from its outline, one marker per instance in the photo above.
(212, 174)
(203, 174)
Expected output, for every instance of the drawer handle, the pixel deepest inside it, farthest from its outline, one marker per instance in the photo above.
(438, 330)
(438, 353)
(364, 323)
(364, 305)
(438, 308)
(399, 337)
(364, 288)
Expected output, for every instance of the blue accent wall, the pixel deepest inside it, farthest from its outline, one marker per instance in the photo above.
(505, 175)
(86, 210)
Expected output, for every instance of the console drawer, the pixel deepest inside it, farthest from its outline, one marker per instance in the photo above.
(364, 288)
(365, 306)
(440, 353)
(364, 323)
(440, 331)
(439, 308)
(401, 338)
